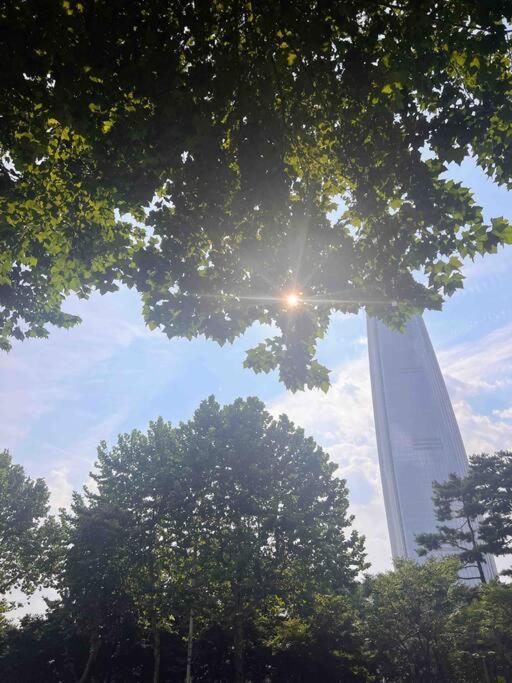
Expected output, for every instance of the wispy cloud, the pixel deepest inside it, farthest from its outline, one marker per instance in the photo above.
(39, 374)
(503, 414)
(61, 396)
(482, 365)
(482, 433)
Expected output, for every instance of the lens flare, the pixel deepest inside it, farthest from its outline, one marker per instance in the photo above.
(292, 299)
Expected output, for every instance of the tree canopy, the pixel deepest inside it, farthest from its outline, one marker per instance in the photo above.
(423, 624)
(27, 535)
(232, 518)
(408, 620)
(240, 127)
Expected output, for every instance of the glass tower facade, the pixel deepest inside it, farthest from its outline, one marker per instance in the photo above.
(418, 438)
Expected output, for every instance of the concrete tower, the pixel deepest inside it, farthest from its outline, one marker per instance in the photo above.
(418, 437)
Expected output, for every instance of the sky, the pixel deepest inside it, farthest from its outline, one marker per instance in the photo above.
(61, 396)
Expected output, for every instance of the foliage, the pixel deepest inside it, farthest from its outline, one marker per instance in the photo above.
(272, 515)
(407, 620)
(27, 536)
(4, 607)
(44, 649)
(324, 644)
(241, 519)
(140, 477)
(485, 632)
(51, 649)
(491, 477)
(480, 505)
(91, 580)
(246, 123)
(222, 515)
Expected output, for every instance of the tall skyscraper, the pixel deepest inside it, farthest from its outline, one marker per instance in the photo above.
(418, 438)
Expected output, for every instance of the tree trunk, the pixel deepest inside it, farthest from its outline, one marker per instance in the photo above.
(486, 670)
(188, 677)
(238, 638)
(481, 571)
(475, 549)
(156, 653)
(94, 647)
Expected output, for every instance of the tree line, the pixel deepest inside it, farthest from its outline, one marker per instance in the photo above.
(223, 550)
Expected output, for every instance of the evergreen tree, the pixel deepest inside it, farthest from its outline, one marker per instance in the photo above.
(481, 503)
(491, 477)
(456, 500)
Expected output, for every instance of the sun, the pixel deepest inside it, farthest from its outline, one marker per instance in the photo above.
(292, 299)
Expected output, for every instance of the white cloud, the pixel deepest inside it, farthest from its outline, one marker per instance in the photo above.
(504, 414)
(481, 370)
(482, 365)
(60, 487)
(341, 421)
(482, 433)
(61, 396)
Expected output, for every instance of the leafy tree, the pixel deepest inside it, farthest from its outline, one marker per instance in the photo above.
(273, 516)
(247, 123)
(485, 633)
(326, 644)
(51, 649)
(141, 478)
(40, 648)
(491, 477)
(407, 620)
(4, 607)
(217, 518)
(92, 579)
(27, 536)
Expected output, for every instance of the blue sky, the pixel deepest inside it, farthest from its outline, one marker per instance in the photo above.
(63, 395)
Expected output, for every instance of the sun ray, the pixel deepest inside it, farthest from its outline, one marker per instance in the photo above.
(292, 299)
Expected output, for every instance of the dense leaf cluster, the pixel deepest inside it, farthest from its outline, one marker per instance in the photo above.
(416, 624)
(231, 519)
(424, 625)
(27, 535)
(242, 126)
